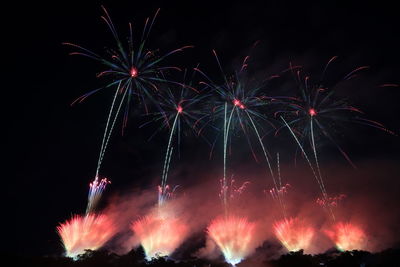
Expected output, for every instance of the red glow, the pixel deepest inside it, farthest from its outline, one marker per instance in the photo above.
(234, 236)
(85, 232)
(238, 103)
(179, 109)
(293, 234)
(134, 72)
(312, 112)
(347, 236)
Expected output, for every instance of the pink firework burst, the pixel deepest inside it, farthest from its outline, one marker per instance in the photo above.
(234, 236)
(81, 233)
(293, 234)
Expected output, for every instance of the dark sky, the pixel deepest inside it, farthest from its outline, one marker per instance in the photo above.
(51, 148)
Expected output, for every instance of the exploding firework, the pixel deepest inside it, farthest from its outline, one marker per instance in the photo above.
(160, 233)
(88, 232)
(234, 236)
(293, 234)
(178, 109)
(347, 236)
(134, 71)
(238, 103)
(311, 115)
(315, 112)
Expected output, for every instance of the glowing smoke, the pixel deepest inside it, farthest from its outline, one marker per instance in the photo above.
(81, 233)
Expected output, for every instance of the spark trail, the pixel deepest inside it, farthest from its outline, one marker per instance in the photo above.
(163, 190)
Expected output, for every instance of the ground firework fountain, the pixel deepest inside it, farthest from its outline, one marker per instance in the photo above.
(81, 233)
(160, 233)
(347, 236)
(293, 234)
(234, 236)
(239, 105)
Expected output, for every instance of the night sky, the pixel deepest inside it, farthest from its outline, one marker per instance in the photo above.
(51, 148)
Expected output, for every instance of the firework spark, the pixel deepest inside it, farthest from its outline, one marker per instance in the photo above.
(347, 236)
(96, 189)
(82, 233)
(234, 236)
(293, 234)
(160, 234)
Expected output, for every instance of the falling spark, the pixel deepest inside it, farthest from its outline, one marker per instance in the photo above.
(347, 236)
(82, 233)
(96, 189)
(234, 236)
(293, 234)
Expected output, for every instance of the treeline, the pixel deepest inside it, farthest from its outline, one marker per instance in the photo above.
(135, 258)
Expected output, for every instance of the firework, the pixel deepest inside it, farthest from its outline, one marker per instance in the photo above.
(238, 102)
(293, 234)
(134, 71)
(347, 236)
(311, 115)
(331, 202)
(96, 189)
(178, 109)
(159, 234)
(234, 236)
(88, 232)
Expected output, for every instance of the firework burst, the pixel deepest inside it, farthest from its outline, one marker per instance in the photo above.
(234, 236)
(313, 115)
(134, 71)
(238, 102)
(347, 236)
(88, 232)
(293, 234)
(178, 110)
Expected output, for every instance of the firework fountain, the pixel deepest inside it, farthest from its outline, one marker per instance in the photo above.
(293, 233)
(347, 236)
(234, 236)
(134, 71)
(161, 232)
(136, 74)
(88, 232)
(238, 105)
